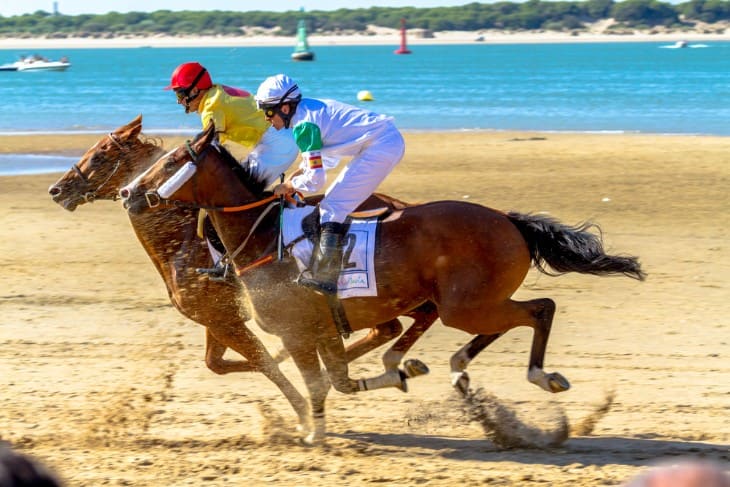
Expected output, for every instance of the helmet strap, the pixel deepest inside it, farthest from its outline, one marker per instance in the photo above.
(189, 98)
(190, 88)
(287, 117)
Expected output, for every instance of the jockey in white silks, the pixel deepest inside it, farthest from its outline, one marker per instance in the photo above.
(325, 131)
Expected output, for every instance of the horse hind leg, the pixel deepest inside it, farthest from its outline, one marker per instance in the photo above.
(461, 359)
(542, 311)
(537, 314)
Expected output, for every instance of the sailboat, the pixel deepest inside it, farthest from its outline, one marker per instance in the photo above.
(301, 50)
(403, 49)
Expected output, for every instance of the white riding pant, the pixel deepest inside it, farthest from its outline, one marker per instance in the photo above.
(273, 155)
(362, 175)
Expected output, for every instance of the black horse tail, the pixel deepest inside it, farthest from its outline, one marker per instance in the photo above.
(571, 249)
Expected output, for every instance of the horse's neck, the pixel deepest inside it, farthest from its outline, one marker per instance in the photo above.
(138, 160)
(162, 231)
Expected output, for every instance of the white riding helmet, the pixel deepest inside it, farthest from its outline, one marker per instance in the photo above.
(276, 90)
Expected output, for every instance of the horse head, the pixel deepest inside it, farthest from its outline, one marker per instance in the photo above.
(105, 167)
(198, 174)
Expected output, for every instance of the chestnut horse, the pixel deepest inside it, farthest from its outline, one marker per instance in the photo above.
(465, 258)
(169, 236)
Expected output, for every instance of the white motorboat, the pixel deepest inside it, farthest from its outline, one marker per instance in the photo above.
(44, 66)
(37, 63)
(677, 45)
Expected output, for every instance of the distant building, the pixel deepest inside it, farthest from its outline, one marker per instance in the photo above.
(55, 8)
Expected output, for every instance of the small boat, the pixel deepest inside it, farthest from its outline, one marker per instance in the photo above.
(302, 51)
(37, 63)
(677, 45)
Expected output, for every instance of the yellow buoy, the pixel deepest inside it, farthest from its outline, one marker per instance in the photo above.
(364, 95)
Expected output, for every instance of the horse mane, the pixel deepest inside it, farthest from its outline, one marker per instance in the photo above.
(149, 149)
(150, 140)
(242, 170)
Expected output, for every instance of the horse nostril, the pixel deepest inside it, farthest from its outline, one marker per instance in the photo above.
(124, 193)
(54, 190)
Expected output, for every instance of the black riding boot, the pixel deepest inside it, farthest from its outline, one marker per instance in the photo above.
(328, 260)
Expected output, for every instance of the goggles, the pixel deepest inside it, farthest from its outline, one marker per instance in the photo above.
(184, 93)
(270, 110)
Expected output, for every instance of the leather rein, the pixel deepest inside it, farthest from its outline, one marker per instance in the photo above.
(227, 260)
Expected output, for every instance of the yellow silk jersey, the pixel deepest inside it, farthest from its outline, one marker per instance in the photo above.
(234, 114)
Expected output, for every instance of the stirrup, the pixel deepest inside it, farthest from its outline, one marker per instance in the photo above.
(217, 273)
(309, 281)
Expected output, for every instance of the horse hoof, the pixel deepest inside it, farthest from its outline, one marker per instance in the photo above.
(460, 381)
(558, 383)
(308, 440)
(414, 368)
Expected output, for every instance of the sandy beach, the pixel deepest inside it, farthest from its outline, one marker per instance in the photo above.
(104, 381)
(600, 32)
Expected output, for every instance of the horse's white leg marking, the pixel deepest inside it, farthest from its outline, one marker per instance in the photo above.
(393, 378)
(459, 362)
(391, 359)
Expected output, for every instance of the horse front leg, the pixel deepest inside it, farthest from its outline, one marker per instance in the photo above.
(239, 338)
(214, 351)
(332, 351)
(381, 334)
(424, 316)
(306, 359)
(543, 311)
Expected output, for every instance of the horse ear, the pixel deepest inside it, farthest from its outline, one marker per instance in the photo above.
(132, 129)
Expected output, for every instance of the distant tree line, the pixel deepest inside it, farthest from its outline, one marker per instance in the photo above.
(509, 16)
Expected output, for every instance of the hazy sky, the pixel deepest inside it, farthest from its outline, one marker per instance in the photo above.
(75, 7)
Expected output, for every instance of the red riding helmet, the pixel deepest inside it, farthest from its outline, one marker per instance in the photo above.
(188, 76)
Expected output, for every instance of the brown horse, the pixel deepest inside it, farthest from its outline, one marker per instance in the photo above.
(465, 258)
(169, 236)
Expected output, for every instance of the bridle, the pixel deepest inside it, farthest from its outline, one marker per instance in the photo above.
(91, 195)
(184, 174)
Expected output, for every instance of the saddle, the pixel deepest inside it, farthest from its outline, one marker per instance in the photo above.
(311, 226)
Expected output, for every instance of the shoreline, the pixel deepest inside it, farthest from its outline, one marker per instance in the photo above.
(75, 144)
(391, 37)
(21, 156)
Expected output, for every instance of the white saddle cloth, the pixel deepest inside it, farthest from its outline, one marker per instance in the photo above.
(357, 277)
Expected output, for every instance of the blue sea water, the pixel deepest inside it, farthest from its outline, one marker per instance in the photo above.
(587, 87)
(576, 87)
